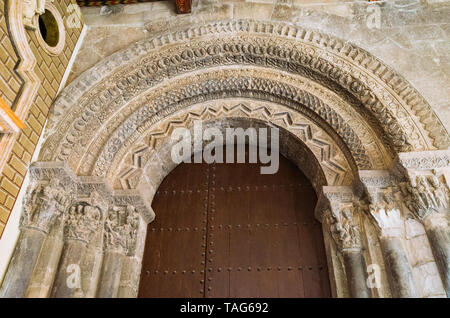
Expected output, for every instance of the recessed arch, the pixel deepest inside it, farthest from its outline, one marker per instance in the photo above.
(99, 106)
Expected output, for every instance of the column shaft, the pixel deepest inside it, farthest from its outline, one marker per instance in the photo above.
(439, 238)
(356, 273)
(398, 268)
(22, 263)
(68, 279)
(111, 272)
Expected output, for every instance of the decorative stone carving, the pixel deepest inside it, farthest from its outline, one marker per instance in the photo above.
(30, 9)
(44, 202)
(384, 203)
(343, 218)
(332, 64)
(344, 228)
(334, 163)
(82, 221)
(121, 226)
(426, 194)
(387, 215)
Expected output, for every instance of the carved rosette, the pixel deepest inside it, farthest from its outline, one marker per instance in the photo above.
(82, 221)
(44, 203)
(121, 227)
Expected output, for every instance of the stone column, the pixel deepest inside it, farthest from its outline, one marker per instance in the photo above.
(391, 226)
(132, 266)
(385, 210)
(343, 223)
(120, 233)
(427, 195)
(437, 229)
(45, 269)
(44, 203)
(83, 220)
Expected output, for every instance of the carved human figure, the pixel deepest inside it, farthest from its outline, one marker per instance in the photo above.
(121, 228)
(43, 204)
(343, 229)
(82, 221)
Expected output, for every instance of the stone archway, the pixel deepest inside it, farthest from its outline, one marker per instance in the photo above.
(371, 136)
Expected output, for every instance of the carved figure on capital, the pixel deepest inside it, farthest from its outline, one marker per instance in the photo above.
(344, 227)
(121, 227)
(44, 202)
(425, 194)
(82, 221)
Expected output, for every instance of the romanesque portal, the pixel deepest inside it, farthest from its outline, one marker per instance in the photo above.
(374, 152)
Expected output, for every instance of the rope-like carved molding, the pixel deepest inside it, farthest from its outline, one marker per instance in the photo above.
(331, 159)
(254, 88)
(328, 106)
(402, 112)
(126, 121)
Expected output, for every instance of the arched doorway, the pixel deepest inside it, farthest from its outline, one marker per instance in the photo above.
(225, 230)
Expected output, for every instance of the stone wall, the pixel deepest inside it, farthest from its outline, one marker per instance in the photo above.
(411, 36)
(50, 71)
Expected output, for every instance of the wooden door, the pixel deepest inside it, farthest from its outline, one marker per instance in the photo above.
(225, 230)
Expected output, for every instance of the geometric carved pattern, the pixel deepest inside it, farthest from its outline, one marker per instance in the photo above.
(325, 150)
(107, 95)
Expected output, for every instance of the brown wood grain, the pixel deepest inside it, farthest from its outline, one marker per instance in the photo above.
(225, 230)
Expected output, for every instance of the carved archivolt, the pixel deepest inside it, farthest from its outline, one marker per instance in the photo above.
(140, 147)
(369, 111)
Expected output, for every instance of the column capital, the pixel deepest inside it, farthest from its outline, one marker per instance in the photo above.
(121, 227)
(342, 216)
(84, 218)
(426, 183)
(384, 201)
(48, 196)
